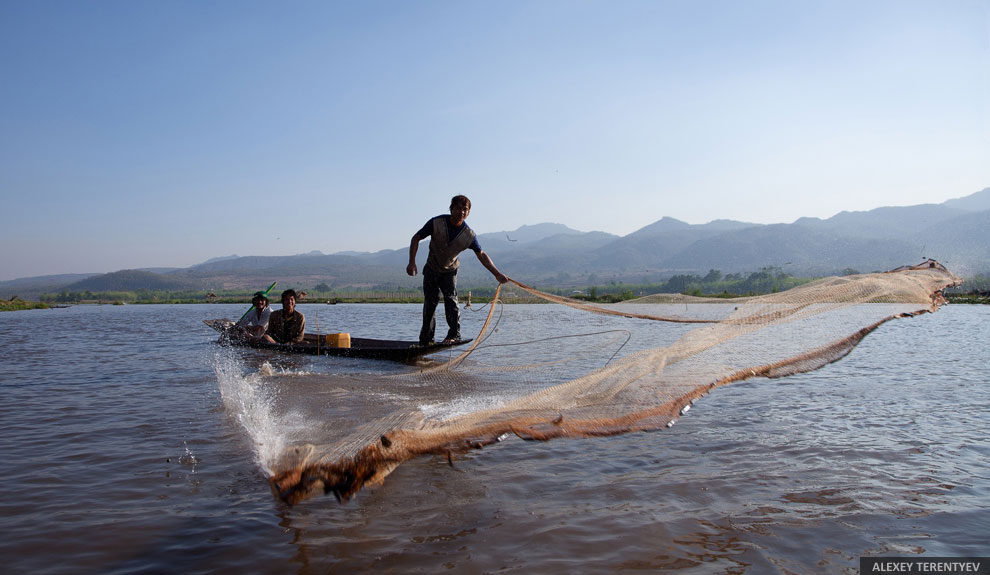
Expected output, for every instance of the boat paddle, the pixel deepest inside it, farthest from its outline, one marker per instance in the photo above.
(252, 302)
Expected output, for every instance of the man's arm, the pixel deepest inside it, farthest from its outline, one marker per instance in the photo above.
(486, 261)
(413, 248)
(274, 326)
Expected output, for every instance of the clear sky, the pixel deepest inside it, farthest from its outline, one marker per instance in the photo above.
(144, 134)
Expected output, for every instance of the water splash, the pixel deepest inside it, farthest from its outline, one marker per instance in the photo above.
(247, 399)
(269, 370)
(188, 458)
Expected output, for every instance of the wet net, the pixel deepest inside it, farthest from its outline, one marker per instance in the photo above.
(547, 367)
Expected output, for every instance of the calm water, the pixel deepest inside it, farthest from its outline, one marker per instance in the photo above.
(128, 446)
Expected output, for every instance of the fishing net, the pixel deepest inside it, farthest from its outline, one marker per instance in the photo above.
(551, 367)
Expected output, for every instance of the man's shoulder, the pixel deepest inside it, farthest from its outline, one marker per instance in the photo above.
(430, 225)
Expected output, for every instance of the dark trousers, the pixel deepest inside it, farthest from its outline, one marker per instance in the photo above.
(435, 284)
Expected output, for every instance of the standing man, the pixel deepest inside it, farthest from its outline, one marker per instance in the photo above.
(450, 236)
(286, 325)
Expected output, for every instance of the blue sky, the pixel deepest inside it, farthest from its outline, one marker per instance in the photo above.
(141, 134)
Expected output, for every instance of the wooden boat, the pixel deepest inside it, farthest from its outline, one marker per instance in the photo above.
(367, 348)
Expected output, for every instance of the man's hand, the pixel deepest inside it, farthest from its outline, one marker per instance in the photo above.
(501, 278)
(411, 268)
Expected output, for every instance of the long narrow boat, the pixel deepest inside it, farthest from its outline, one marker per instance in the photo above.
(367, 348)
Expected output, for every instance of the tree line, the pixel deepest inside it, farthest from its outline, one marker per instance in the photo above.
(771, 279)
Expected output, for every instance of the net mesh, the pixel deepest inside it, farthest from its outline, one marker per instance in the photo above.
(604, 370)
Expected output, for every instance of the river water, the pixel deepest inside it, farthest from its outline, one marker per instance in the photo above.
(132, 443)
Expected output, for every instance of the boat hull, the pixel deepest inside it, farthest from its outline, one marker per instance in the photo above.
(365, 348)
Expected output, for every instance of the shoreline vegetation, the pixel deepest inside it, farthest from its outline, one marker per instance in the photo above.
(17, 304)
(20, 305)
(714, 284)
(969, 298)
(975, 290)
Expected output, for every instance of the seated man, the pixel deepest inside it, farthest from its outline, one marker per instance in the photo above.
(286, 325)
(254, 323)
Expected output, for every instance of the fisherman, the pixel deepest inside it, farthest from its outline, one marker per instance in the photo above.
(450, 235)
(286, 325)
(255, 322)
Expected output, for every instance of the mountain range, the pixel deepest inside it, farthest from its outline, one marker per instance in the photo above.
(954, 232)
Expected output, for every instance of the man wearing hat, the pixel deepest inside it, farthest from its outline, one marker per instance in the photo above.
(255, 322)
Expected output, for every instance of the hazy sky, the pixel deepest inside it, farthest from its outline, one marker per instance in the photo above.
(163, 133)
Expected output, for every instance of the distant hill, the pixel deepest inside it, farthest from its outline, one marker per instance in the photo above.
(540, 231)
(664, 225)
(220, 259)
(977, 202)
(962, 243)
(654, 247)
(31, 288)
(797, 249)
(525, 237)
(299, 271)
(552, 254)
(130, 280)
(889, 223)
(54, 280)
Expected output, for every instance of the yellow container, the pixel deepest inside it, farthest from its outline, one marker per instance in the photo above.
(338, 339)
